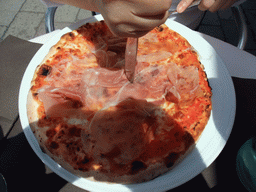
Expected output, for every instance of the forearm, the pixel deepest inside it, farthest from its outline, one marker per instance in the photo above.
(83, 4)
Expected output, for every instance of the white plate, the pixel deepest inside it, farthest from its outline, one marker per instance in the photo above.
(209, 146)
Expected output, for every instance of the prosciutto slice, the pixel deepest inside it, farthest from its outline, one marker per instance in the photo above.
(60, 102)
(185, 82)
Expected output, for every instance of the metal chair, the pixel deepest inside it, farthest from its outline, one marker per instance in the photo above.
(49, 18)
(237, 11)
(242, 26)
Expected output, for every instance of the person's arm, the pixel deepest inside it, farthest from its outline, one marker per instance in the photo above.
(83, 4)
(127, 18)
(211, 5)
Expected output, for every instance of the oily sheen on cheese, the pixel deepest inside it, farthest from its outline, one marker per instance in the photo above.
(91, 120)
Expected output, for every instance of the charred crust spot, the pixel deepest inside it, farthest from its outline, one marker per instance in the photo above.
(189, 139)
(85, 160)
(82, 163)
(74, 131)
(82, 169)
(77, 104)
(54, 145)
(35, 94)
(87, 26)
(42, 149)
(71, 35)
(50, 133)
(137, 166)
(58, 48)
(44, 70)
(160, 28)
(181, 56)
(170, 159)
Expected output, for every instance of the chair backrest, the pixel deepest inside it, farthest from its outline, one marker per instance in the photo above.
(49, 19)
(237, 10)
(242, 26)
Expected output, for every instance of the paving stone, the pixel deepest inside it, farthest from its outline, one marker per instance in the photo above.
(25, 25)
(83, 14)
(214, 31)
(41, 29)
(211, 19)
(17, 129)
(2, 30)
(5, 126)
(66, 13)
(61, 25)
(6, 17)
(34, 6)
(58, 25)
(11, 5)
(8, 10)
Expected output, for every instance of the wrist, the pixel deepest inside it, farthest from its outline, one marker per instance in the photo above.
(90, 5)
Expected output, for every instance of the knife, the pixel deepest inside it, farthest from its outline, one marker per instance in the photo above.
(132, 47)
(174, 10)
(130, 58)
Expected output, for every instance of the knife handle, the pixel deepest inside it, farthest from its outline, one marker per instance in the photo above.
(131, 57)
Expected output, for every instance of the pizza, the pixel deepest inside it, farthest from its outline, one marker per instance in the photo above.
(92, 121)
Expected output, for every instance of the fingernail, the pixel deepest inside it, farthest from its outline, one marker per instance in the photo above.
(181, 7)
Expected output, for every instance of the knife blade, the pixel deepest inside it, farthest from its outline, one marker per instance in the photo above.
(131, 58)
(174, 10)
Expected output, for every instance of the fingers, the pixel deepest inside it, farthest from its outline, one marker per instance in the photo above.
(215, 5)
(150, 7)
(135, 18)
(139, 25)
(183, 5)
(211, 5)
(228, 4)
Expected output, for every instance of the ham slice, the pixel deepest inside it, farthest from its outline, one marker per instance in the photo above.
(60, 102)
(154, 57)
(123, 127)
(185, 82)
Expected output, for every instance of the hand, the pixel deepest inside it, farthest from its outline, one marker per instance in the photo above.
(211, 5)
(133, 18)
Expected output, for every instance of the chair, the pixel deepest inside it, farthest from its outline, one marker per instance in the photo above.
(242, 26)
(49, 18)
(237, 11)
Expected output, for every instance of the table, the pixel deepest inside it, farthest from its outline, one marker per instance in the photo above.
(221, 174)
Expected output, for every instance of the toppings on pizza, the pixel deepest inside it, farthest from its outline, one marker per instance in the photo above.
(90, 119)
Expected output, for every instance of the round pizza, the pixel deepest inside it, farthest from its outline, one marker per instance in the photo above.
(98, 125)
